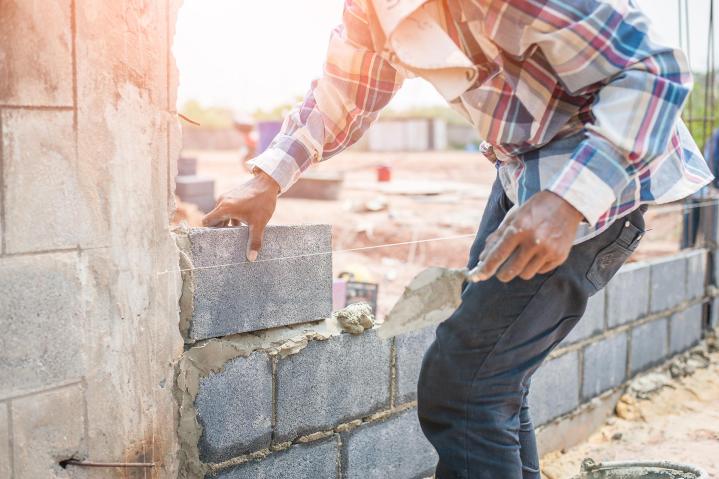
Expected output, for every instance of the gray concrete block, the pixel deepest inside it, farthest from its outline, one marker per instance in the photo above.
(234, 408)
(38, 155)
(410, 349)
(604, 365)
(650, 345)
(714, 319)
(696, 273)
(554, 389)
(290, 283)
(316, 460)
(668, 281)
(331, 382)
(4, 441)
(628, 294)
(42, 320)
(193, 185)
(685, 329)
(47, 428)
(592, 322)
(186, 166)
(394, 448)
(37, 70)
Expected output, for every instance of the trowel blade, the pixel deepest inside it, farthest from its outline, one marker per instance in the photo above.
(430, 298)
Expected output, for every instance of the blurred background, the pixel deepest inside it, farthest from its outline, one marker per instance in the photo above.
(416, 178)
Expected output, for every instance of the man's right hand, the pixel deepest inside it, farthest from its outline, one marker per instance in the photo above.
(252, 203)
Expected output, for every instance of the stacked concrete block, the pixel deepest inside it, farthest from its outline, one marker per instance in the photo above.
(696, 273)
(685, 329)
(393, 448)
(628, 295)
(605, 364)
(555, 388)
(198, 190)
(331, 382)
(47, 428)
(234, 408)
(186, 166)
(668, 282)
(410, 349)
(42, 321)
(649, 344)
(592, 321)
(290, 283)
(303, 461)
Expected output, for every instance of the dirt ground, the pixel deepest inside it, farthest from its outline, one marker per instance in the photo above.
(432, 195)
(679, 422)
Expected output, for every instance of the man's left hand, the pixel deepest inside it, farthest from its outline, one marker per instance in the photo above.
(533, 239)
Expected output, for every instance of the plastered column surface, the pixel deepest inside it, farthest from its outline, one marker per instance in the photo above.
(88, 140)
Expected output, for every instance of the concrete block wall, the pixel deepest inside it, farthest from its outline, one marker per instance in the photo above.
(649, 312)
(88, 134)
(317, 401)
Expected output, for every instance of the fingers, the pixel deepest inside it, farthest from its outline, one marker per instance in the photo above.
(254, 244)
(498, 252)
(516, 263)
(216, 217)
(533, 267)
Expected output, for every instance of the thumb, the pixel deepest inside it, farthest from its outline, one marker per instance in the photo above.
(255, 240)
(216, 217)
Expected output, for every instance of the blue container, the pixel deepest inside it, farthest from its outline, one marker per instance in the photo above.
(267, 130)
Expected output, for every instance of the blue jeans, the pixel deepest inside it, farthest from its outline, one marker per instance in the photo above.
(472, 391)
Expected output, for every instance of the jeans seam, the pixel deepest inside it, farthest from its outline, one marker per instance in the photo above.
(491, 353)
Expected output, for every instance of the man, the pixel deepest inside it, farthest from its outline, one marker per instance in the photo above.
(581, 107)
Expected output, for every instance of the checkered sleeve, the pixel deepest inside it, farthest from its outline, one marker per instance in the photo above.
(641, 89)
(339, 107)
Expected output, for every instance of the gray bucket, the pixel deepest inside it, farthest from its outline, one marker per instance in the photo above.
(639, 470)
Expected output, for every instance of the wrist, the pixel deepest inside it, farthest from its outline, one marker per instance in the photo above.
(266, 180)
(567, 207)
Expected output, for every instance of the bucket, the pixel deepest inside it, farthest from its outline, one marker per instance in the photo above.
(639, 470)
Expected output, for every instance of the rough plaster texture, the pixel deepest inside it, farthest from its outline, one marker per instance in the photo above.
(592, 321)
(393, 448)
(555, 388)
(47, 428)
(35, 53)
(410, 349)
(44, 328)
(4, 441)
(685, 329)
(87, 146)
(38, 154)
(331, 382)
(303, 461)
(628, 294)
(668, 282)
(234, 408)
(605, 364)
(243, 296)
(650, 344)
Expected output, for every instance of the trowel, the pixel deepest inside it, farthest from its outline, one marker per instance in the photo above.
(430, 298)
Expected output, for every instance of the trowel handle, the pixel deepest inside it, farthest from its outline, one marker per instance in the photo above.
(473, 274)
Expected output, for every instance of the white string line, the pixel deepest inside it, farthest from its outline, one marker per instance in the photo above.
(655, 209)
(340, 251)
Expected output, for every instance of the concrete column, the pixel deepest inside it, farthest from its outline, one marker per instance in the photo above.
(88, 266)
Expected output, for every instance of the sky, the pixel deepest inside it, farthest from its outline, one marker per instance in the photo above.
(250, 54)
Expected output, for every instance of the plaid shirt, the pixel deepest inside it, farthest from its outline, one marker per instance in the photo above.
(526, 74)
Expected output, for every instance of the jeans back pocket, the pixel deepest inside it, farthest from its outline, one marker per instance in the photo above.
(615, 254)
